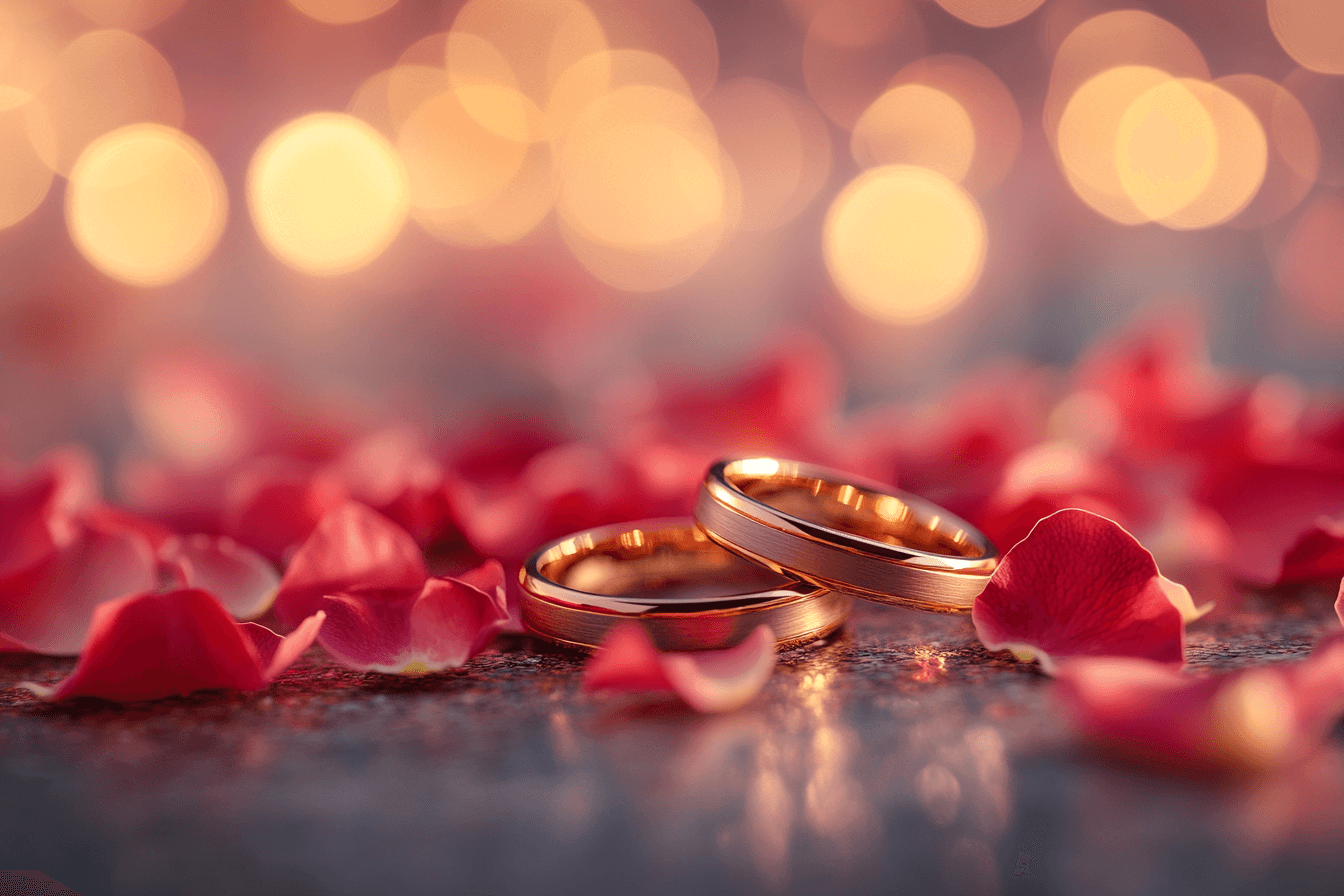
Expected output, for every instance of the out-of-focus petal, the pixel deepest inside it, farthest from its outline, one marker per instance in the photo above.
(393, 472)
(1079, 585)
(274, 505)
(1249, 720)
(442, 627)
(710, 681)
(41, 507)
(352, 549)
(243, 580)
(148, 646)
(1317, 554)
(49, 607)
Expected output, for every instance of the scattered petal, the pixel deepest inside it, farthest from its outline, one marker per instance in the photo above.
(148, 646)
(243, 580)
(1080, 585)
(352, 549)
(1317, 554)
(709, 681)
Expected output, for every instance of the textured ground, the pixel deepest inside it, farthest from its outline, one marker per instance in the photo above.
(897, 757)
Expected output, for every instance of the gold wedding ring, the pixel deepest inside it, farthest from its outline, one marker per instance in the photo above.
(845, 533)
(689, 593)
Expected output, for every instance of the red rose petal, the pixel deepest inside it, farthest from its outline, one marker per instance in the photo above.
(243, 581)
(49, 607)
(1080, 585)
(709, 681)
(353, 548)
(40, 507)
(1248, 720)
(276, 653)
(1317, 554)
(442, 627)
(147, 646)
(274, 505)
(393, 472)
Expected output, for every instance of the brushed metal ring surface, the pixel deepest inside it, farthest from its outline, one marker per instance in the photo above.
(687, 591)
(845, 533)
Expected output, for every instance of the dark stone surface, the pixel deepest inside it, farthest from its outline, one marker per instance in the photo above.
(897, 758)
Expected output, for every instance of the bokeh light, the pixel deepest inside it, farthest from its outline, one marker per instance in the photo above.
(641, 179)
(327, 193)
(1311, 31)
(1310, 265)
(1126, 37)
(779, 143)
(101, 81)
(851, 49)
(904, 244)
(988, 102)
(145, 204)
(133, 15)
(598, 74)
(1294, 150)
(24, 177)
(990, 13)
(917, 125)
(676, 30)
(342, 12)
(1088, 138)
(1166, 148)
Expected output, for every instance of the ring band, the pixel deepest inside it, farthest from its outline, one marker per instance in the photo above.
(689, 593)
(845, 533)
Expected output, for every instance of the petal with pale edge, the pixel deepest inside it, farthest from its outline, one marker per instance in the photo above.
(244, 581)
(708, 681)
(1248, 720)
(148, 646)
(1317, 554)
(446, 624)
(353, 548)
(1080, 585)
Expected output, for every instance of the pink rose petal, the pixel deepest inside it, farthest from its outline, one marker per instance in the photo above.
(243, 580)
(1317, 554)
(709, 681)
(49, 607)
(148, 646)
(353, 548)
(1080, 585)
(400, 633)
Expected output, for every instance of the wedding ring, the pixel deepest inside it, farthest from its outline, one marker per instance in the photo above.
(845, 533)
(689, 593)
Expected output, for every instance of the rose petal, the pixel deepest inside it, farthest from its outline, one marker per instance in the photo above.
(148, 646)
(393, 472)
(709, 681)
(1248, 720)
(447, 624)
(1079, 585)
(353, 548)
(49, 608)
(276, 653)
(40, 507)
(1317, 554)
(243, 581)
(274, 505)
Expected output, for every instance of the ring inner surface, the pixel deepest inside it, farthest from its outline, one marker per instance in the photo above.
(859, 511)
(677, 569)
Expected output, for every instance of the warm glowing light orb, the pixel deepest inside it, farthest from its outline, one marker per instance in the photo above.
(327, 193)
(990, 13)
(1294, 151)
(915, 124)
(145, 204)
(342, 12)
(1311, 31)
(904, 244)
(1166, 149)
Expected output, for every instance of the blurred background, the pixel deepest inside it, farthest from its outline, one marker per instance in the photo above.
(445, 212)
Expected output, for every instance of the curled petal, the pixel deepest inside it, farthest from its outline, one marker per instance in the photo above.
(148, 646)
(1080, 585)
(442, 627)
(279, 653)
(352, 549)
(49, 608)
(243, 581)
(1317, 554)
(709, 681)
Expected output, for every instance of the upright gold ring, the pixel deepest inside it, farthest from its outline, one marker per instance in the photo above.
(689, 593)
(845, 533)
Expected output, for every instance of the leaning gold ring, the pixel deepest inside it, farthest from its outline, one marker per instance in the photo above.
(845, 533)
(689, 593)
